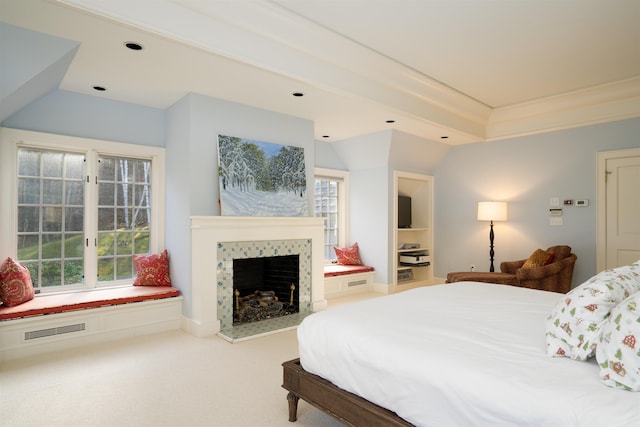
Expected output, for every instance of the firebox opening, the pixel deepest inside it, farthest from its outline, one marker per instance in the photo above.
(264, 288)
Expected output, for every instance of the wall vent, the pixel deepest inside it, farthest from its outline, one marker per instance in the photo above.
(54, 331)
(357, 282)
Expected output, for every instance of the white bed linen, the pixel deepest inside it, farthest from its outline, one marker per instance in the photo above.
(460, 354)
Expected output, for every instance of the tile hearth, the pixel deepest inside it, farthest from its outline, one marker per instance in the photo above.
(247, 331)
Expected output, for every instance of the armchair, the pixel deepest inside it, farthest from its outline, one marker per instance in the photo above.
(555, 276)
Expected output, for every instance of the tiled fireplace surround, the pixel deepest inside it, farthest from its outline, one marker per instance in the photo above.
(216, 240)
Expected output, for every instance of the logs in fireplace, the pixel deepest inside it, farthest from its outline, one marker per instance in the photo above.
(265, 288)
(261, 305)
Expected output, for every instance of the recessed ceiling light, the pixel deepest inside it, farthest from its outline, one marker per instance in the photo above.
(444, 137)
(297, 94)
(326, 136)
(100, 88)
(391, 121)
(133, 45)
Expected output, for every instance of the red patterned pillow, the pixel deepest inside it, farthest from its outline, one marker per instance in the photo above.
(152, 270)
(349, 255)
(15, 283)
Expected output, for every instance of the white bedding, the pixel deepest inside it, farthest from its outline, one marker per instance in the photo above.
(460, 354)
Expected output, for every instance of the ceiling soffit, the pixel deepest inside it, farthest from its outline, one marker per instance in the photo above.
(272, 38)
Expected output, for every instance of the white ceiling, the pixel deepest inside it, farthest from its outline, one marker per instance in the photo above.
(469, 69)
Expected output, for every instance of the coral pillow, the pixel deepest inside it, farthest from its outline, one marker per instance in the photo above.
(152, 270)
(574, 327)
(538, 258)
(15, 283)
(617, 351)
(349, 255)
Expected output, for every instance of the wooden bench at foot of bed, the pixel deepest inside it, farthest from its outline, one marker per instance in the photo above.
(55, 322)
(345, 407)
(342, 280)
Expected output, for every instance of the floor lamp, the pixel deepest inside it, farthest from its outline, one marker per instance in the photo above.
(492, 211)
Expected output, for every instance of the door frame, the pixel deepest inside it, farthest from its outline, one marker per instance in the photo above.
(601, 200)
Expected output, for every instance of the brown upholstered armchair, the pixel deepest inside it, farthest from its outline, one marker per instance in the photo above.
(554, 277)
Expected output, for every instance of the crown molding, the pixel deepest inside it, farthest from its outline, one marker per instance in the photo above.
(600, 104)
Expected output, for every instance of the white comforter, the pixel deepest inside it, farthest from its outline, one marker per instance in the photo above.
(460, 354)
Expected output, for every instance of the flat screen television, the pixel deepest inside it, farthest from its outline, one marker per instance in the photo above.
(404, 212)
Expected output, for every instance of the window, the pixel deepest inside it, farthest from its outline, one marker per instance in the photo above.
(83, 208)
(124, 215)
(51, 216)
(330, 203)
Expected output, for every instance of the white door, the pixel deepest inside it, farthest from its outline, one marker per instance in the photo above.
(622, 208)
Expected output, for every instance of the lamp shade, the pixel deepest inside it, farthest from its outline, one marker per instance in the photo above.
(492, 211)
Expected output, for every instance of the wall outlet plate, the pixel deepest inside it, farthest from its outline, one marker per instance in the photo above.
(555, 212)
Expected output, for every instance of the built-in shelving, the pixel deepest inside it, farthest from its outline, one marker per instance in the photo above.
(420, 188)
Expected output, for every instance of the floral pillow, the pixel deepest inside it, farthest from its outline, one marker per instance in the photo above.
(618, 351)
(152, 270)
(349, 255)
(15, 283)
(573, 329)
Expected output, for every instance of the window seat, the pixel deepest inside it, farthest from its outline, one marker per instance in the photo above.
(66, 320)
(339, 270)
(60, 303)
(341, 280)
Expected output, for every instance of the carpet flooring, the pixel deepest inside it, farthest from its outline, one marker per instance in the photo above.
(170, 379)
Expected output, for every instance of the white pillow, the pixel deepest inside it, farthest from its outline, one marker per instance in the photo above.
(574, 326)
(618, 351)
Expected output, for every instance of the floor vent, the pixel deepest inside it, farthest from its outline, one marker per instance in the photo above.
(357, 282)
(54, 331)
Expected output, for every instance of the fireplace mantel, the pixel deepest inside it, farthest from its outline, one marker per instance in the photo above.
(208, 231)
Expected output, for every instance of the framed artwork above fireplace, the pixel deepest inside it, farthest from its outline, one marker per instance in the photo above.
(259, 178)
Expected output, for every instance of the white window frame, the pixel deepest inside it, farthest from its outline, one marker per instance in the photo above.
(343, 202)
(12, 139)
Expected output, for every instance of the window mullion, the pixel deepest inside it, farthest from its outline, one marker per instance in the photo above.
(91, 221)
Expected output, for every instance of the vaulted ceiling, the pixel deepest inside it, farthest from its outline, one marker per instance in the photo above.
(466, 70)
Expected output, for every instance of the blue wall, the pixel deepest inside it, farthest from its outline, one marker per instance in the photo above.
(526, 172)
(193, 126)
(371, 160)
(70, 113)
(189, 131)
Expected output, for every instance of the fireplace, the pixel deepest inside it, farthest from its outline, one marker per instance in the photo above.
(259, 266)
(217, 241)
(265, 288)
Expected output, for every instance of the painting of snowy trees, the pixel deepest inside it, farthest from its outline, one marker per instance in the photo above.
(261, 179)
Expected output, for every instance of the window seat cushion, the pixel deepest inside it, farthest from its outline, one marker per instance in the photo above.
(339, 270)
(59, 303)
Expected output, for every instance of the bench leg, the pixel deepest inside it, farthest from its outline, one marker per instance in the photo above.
(293, 406)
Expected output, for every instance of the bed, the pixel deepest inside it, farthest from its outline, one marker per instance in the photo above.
(456, 354)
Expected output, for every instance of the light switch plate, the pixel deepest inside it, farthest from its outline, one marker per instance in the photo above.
(555, 221)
